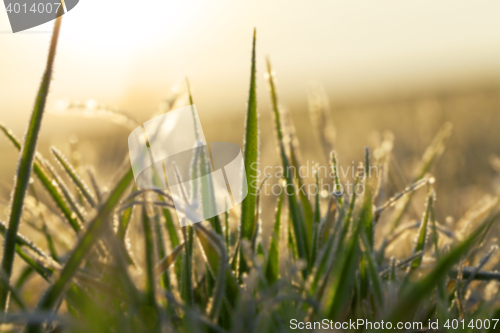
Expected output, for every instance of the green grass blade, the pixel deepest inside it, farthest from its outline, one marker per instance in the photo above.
(47, 183)
(215, 252)
(165, 263)
(366, 214)
(226, 229)
(296, 215)
(340, 290)
(422, 233)
(25, 164)
(174, 240)
(273, 265)
(73, 175)
(306, 206)
(24, 276)
(172, 231)
(251, 157)
(75, 206)
(124, 222)
(335, 171)
(23, 241)
(373, 273)
(45, 230)
(89, 238)
(315, 225)
(347, 221)
(186, 286)
(160, 250)
(149, 251)
(413, 294)
(43, 271)
(321, 265)
(13, 292)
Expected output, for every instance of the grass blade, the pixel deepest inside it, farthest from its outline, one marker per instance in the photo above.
(165, 263)
(80, 184)
(296, 215)
(251, 157)
(215, 252)
(186, 286)
(25, 164)
(53, 191)
(272, 265)
(160, 250)
(23, 241)
(411, 296)
(91, 235)
(422, 233)
(149, 252)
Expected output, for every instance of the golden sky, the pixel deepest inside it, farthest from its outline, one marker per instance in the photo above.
(129, 53)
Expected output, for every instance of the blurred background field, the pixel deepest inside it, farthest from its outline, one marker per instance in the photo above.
(388, 68)
(404, 68)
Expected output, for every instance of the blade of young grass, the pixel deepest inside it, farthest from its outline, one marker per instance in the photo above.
(43, 271)
(45, 231)
(199, 162)
(167, 261)
(373, 273)
(257, 230)
(53, 191)
(89, 238)
(414, 293)
(93, 182)
(149, 252)
(295, 213)
(186, 286)
(174, 240)
(306, 206)
(214, 253)
(226, 228)
(352, 203)
(24, 276)
(23, 241)
(25, 164)
(73, 175)
(125, 218)
(422, 233)
(340, 290)
(315, 225)
(251, 158)
(366, 214)
(66, 193)
(368, 231)
(272, 264)
(12, 292)
(335, 171)
(322, 263)
(160, 250)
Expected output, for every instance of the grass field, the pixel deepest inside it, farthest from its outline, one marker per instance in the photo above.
(112, 258)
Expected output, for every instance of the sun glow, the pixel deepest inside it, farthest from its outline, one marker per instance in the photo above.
(120, 26)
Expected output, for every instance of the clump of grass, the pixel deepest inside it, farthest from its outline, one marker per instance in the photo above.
(323, 259)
